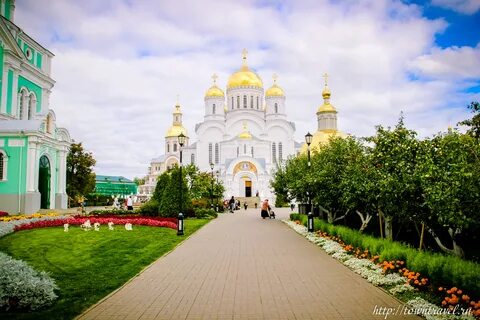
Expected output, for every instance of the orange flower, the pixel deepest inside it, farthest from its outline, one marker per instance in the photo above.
(444, 303)
(459, 291)
(465, 297)
(440, 289)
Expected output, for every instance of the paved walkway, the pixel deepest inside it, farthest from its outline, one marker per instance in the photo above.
(242, 267)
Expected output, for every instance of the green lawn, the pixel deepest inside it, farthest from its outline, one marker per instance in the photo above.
(88, 265)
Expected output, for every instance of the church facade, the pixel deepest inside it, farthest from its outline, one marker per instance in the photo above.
(244, 135)
(33, 150)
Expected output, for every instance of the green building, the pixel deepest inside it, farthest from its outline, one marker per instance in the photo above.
(114, 186)
(33, 150)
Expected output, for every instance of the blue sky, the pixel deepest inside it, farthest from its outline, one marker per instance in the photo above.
(119, 65)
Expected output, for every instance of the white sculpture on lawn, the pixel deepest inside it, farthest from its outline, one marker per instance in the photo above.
(96, 226)
(128, 226)
(110, 225)
(86, 225)
(65, 227)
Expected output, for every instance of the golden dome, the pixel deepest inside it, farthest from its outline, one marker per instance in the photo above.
(245, 134)
(175, 130)
(321, 138)
(275, 90)
(214, 91)
(244, 76)
(326, 107)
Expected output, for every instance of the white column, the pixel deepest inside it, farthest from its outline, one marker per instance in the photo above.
(62, 172)
(3, 103)
(15, 90)
(31, 166)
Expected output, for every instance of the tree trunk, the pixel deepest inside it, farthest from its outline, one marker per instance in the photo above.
(388, 226)
(330, 216)
(365, 220)
(340, 218)
(421, 236)
(456, 251)
(380, 223)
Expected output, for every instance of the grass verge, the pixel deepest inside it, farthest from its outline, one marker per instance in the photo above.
(89, 265)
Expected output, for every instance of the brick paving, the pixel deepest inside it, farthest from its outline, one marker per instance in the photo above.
(242, 267)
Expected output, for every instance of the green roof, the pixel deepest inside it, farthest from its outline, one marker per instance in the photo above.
(114, 185)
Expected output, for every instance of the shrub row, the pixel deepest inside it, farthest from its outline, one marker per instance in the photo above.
(205, 213)
(112, 211)
(21, 287)
(441, 269)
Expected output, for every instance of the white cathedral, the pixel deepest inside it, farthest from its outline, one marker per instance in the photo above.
(243, 136)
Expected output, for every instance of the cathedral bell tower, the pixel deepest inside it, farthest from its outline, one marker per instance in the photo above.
(326, 113)
(171, 137)
(275, 101)
(214, 102)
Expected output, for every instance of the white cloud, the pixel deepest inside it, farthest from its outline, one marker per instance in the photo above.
(462, 6)
(453, 62)
(119, 67)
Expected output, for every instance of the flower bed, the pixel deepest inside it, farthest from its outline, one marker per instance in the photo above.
(7, 227)
(3, 214)
(78, 220)
(7, 218)
(392, 275)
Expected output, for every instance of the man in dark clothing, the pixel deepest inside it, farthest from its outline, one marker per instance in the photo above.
(231, 204)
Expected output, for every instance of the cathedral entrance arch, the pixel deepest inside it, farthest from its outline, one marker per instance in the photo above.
(245, 178)
(44, 182)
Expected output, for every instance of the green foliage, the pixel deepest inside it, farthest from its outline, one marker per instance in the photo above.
(87, 266)
(139, 181)
(150, 208)
(473, 123)
(205, 214)
(162, 182)
(175, 197)
(113, 211)
(80, 175)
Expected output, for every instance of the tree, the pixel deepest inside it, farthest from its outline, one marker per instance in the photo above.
(175, 196)
(473, 123)
(394, 158)
(162, 182)
(358, 184)
(450, 180)
(139, 181)
(80, 175)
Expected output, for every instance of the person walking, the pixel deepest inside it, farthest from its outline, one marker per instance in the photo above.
(231, 204)
(264, 213)
(129, 203)
(245, 205)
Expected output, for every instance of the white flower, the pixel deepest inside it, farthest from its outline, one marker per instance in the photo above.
(400, 288)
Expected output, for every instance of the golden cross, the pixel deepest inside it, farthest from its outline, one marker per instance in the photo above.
(244, 56)
(214, 77)
(275, 77)
(325, 76)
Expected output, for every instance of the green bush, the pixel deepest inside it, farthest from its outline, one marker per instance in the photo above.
(441, 269)
(149, 208)
(112, 211)
(205, 213)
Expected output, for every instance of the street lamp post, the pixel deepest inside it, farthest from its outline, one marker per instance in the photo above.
(308, 141)
(211, 189)
(181, 142)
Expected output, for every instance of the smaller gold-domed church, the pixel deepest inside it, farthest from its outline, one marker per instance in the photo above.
(245, 134)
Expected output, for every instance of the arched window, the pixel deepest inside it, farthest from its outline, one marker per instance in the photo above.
(232, 102)
(174, 147)
(244, 149)
(244, 101)
(252, 152)
(192, 158)
(20, 105)
(210, 157)
(3, 165)
(214, 108)
(276, 108)
(251, 102)
(238, 151)
(280, 151)
(31, 107)
(257, 102)
(217, 154)
(274, 152)
(168, 147)
(238, 102)
(176, 118)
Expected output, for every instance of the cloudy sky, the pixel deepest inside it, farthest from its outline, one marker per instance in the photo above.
(120, 64)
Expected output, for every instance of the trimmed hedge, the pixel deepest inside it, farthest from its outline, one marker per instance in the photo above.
(441, 269)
